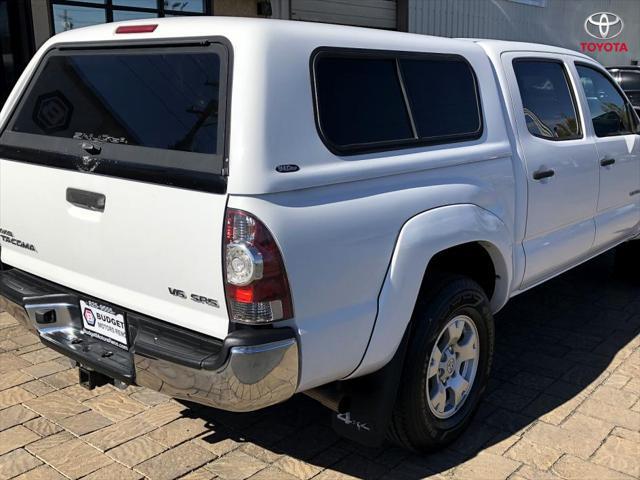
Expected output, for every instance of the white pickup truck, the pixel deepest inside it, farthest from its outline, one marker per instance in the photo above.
(232, 211)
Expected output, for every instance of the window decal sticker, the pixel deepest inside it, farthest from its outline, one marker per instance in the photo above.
(52, 112)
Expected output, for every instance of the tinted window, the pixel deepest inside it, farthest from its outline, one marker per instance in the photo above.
(122, 15)
(162, 100)
(442, 95)
(609, 111)
(360, 101)
(67, 17)
(630, 80)
(549, 108)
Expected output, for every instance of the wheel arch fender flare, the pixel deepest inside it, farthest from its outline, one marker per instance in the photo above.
(420, 239)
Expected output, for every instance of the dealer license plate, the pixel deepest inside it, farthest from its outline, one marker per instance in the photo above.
(104, 322)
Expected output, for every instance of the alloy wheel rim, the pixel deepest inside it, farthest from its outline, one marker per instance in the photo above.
(452, 366)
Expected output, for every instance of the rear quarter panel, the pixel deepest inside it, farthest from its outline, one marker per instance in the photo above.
(337, 243)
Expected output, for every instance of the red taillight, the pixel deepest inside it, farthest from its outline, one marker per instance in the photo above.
(242, 294)
(256, 283)
(137, 28)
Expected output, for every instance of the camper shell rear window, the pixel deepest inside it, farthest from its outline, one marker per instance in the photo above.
(152, 114)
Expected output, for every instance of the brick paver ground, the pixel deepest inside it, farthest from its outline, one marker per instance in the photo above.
(563, 402)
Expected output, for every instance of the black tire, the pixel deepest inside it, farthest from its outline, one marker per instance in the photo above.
(413, 425)
(627, 260)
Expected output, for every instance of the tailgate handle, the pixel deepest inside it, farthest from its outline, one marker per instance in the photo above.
(84, 199)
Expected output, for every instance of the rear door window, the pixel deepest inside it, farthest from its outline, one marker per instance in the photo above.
(549, 106)
(159, 110)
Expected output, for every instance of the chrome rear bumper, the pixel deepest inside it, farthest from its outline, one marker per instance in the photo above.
(251, 369)
(252, 378)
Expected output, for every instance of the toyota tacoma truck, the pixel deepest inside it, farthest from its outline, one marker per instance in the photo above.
(232, 211)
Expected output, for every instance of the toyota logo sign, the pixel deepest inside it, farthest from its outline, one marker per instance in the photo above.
(603, 25)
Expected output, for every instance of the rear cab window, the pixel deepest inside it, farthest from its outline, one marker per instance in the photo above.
(152, 114)
(377, 100)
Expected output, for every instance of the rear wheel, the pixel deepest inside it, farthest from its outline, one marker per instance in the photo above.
(447, 364)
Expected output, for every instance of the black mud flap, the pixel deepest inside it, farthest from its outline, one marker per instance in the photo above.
(367, 402)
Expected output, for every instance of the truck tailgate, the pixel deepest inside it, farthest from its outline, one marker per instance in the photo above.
(113, 190)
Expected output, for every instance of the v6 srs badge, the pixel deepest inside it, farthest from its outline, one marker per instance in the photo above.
(194, 297)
